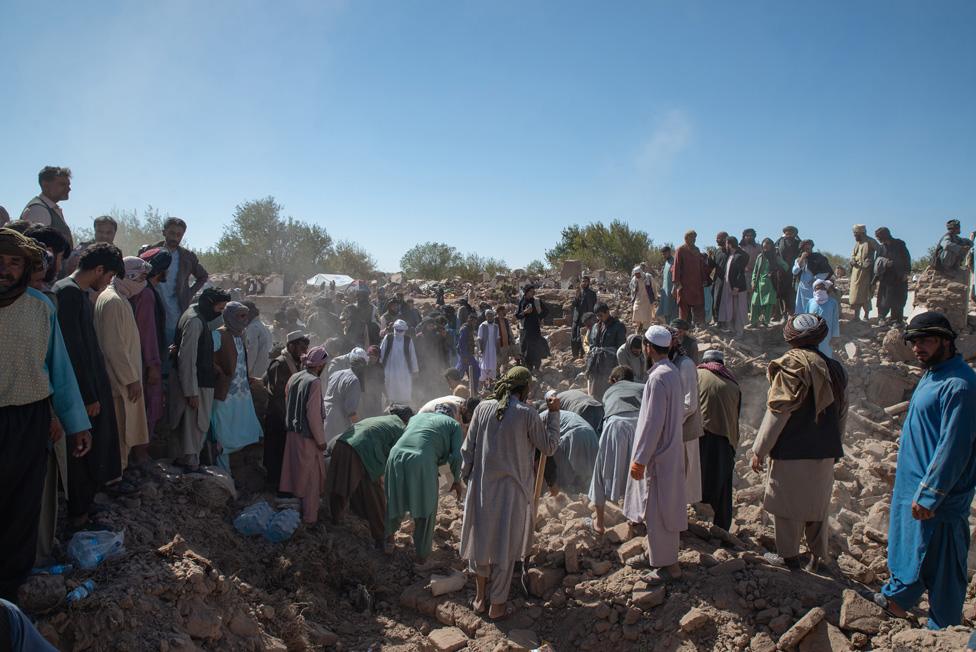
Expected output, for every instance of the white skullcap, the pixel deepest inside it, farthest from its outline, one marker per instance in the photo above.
(658, 336)
(359, 353)
(400, 325)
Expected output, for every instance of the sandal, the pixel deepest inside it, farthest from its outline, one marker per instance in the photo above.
(659, 576)
(883, 602)
(479, 611)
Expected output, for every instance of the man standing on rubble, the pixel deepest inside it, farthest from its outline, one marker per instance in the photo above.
(891, 269)
(176, 290)
(788, 247)
(275, 382)
(928, 537)
(721, 401)
(688, 274)
(607, 335)
(862, 272)
(806, 409)
(497, 464)
(583, 302)
(655, 492)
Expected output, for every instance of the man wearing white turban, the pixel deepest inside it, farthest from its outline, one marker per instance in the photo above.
(399, 359)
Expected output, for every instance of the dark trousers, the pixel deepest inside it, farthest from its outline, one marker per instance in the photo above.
(24, 437)
(717, 464)
(694, 314)
(576, 341)
(348, 483)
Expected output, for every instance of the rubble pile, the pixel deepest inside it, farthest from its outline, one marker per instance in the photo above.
(189, 581)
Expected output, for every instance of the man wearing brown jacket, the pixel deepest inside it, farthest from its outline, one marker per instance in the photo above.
(176, 291)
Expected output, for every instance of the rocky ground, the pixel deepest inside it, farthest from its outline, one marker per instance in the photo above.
(189, 581)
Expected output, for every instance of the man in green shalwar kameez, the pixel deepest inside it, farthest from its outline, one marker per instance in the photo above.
(769, 273)
(429, 441)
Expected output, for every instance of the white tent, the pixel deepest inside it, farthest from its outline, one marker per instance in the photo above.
(341, 280)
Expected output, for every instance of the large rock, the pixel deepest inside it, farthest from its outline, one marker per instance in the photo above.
(917, 640)
(946, 294)
(41, 592)
(693, 620)
(446, 639)
(857, 614)
(630, 549)
(824, 638)
(801, 628)
(543, 580)
(650, 598)
(888, 386)
(560, 338)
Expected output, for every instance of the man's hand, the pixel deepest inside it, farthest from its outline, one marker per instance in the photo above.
(56, 432)
(920, 513)
(553, 404)
(134, 390)
(637, 471)
(93, 409)
(153, 375)
(193, 402)
(83, 443)
(458, 489)
(757, 463)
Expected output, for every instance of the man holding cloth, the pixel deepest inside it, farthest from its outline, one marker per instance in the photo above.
(928, 537)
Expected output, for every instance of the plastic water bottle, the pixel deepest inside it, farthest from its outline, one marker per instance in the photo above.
(282, 526)
(57, 569)
(82, 592)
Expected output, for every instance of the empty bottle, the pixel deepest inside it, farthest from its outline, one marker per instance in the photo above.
(82, 592)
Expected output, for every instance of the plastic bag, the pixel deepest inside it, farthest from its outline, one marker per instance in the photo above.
(89, 549)
(282, 526)
(254, 519)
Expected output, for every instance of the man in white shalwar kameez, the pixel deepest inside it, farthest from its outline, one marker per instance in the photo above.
(497, 464)
(399, 357)
(488, 342)
(658, 467)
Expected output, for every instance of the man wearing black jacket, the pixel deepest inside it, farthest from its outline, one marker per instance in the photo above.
(583, 302)
(734, 304)
(606, 336)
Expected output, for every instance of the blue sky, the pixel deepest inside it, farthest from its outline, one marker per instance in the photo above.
(492, 125)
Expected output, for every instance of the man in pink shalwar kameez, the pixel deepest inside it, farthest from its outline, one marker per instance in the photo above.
(144, 306)
(303, 467)
(657, 484)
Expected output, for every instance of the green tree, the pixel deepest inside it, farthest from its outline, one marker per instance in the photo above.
(260, 240)
(471, 267)
(430, 260)
(919, 265)
(615, 246)
(349, 258)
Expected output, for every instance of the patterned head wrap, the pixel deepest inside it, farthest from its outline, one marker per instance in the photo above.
(515, 380)
(158, 258)
(13, 243)
(134, 280)
(929, 323)
(315, 357)
(805, 331)
(236, 316)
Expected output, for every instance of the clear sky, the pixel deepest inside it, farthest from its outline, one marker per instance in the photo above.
(491, 125)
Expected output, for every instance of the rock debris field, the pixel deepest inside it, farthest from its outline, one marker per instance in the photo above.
(190, 581)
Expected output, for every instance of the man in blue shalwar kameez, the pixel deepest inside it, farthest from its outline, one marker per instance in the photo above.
(928, 537)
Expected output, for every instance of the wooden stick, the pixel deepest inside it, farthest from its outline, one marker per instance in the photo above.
(539, 480)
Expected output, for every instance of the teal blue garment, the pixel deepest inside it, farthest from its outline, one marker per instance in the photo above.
(576, 455)
(65, 395)
(830, 312)
(937, 470)
(429, 441)
(234, 423)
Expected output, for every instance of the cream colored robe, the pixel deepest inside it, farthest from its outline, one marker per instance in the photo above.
(118, 337)
(862, 272)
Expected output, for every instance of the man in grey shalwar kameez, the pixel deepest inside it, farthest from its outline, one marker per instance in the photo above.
(191, 385)
(656, 490)
(622, 403)
(497, 463)
(340, 405)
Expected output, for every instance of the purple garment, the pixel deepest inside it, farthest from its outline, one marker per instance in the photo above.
(144, 306)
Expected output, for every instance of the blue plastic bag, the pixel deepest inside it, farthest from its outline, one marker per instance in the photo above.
(254, 519)
(89, 549)
(282, 526)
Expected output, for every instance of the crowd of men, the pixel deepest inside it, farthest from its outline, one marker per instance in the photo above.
(107, 352)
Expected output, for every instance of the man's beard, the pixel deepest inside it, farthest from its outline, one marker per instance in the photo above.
(7, 281)
(941, 355)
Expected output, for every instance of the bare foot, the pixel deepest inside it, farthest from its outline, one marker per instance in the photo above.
(499, 611)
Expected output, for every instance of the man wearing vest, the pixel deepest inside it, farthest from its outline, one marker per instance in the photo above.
(191, 387)
(55, 185)
(176, 290)
(801, 432)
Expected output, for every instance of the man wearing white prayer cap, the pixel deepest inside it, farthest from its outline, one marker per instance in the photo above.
(656, 489)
